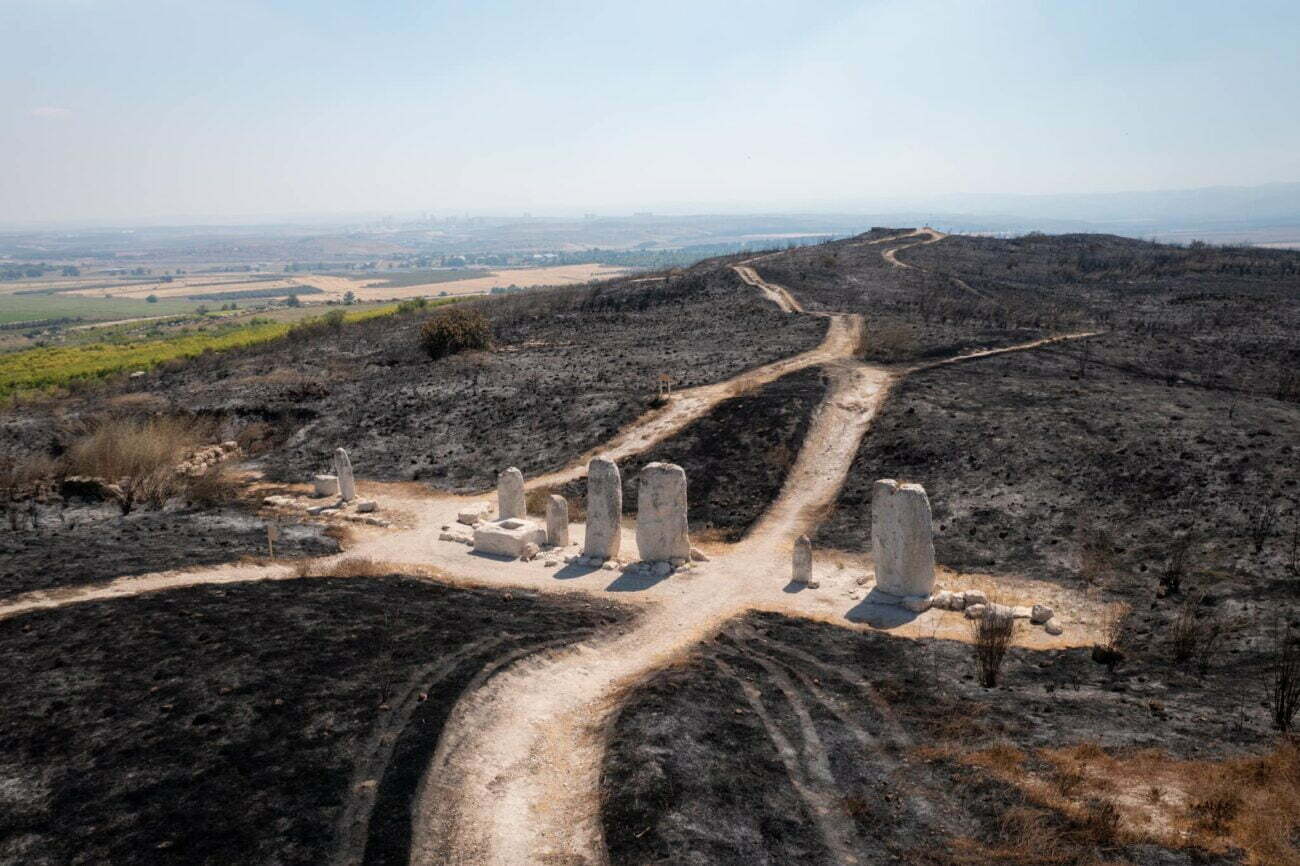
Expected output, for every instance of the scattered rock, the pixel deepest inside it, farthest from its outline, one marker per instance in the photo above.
(325, 485)
(976, 611)
(365, 506)
(662, 569)
(1053, 626)
(1040, 614)
(698, 555)
(917, 603)
(474, 514)
(529, 551)
(975, 596)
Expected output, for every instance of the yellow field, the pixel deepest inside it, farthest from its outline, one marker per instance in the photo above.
(334, 287)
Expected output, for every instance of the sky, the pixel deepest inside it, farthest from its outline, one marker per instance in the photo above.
(131, 110)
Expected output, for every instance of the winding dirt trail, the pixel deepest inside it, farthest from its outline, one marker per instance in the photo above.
(516, 776)
(518, 781)
(776, 294)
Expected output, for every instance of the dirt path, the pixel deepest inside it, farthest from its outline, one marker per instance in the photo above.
(519, 781)
(841, 341)
(776, 294)
(516, 776)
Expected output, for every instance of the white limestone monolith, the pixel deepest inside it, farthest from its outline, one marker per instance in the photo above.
(343, 469)
(557, 521)
(510, 495)
(604, 509)
(661, 513)
(801, 560)
(902, 538)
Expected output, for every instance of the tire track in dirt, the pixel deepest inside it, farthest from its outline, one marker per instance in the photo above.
(818, 793)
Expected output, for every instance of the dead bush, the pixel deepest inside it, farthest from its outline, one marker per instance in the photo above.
(1114, 631)
(1284, 681)
(1176, 567)
(138, 454)
(453, 330)
(991, 637)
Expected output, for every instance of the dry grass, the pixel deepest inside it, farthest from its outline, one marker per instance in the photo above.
(1250, 804)
(348, 566)
(138, 454)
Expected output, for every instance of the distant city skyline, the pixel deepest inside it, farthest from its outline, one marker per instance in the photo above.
(149, 111)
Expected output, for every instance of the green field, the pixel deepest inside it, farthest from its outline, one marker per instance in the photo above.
(58, 365)
(35, 308)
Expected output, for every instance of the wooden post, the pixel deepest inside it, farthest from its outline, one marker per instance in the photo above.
(272, 535)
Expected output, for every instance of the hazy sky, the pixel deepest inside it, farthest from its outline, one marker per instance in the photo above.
(143, 109)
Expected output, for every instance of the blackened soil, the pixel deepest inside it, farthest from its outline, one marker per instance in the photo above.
(735, 458)
(912, 314)
(224, 724)
(569, 367)
(73, 546)
(698, 772)
(1023, 459)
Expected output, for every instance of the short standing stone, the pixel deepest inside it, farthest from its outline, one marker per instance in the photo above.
(661, 513)
(557, 521)
(801, 560)
(326, 485)
(604, 509)
(510, 495)
(343, 469)
(902, 538)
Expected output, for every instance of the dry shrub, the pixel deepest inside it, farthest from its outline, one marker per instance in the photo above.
(1114, 631)
(991, 637)
(138, 454)
(455, 329)
(359, 566)
(1284, 682)
(214, 488)
(1024, 836)
(1194, 634)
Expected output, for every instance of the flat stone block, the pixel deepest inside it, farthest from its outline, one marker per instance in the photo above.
(508, 537)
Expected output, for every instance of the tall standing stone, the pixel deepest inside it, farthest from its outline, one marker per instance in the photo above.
(510, 494)
(557, 521)
(343, 469)
(801, 560)
(604, 509)
(661, 513)
(902, 538)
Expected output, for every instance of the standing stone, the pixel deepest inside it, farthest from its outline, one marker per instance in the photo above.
(557, 521)
(902, 538)
(661, 513)
(802, 560)
(604, 509)
(343, 469)
(510, 495)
